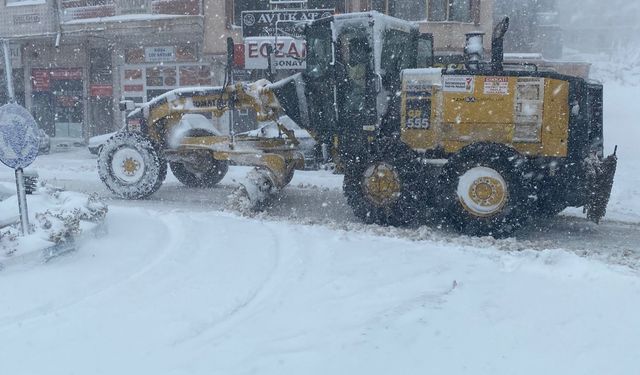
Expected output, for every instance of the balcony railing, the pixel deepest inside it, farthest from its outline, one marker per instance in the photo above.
(90, 9)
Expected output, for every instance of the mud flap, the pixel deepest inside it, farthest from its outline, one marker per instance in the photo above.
(600, 188)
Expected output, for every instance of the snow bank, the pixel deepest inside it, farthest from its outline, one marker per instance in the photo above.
(55, 217)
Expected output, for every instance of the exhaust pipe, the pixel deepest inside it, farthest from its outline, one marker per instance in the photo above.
(497, 44)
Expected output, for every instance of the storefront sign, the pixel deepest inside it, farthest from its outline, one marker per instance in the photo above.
(288, 53)
(238, 55)
(287, 22)
(101, 90)
(134, 88)
(40, 80)
(22, 19)
(58, 74)
(160, 54)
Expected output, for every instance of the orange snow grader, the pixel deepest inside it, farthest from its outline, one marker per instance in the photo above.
(486, 148)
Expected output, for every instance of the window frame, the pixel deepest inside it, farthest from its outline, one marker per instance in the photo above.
(449, 7)
(474, 11)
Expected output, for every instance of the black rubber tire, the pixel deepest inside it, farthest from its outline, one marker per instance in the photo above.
(547, 210)
(407, 207)
(153, 164)
(209, 178)
(514, 170)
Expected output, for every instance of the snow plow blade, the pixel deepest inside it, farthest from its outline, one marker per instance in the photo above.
(600, 189)
(254, 192)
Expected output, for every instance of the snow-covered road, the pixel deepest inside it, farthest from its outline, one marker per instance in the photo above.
(213, 293)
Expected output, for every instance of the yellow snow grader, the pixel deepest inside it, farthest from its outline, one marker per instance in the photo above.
(486, 148)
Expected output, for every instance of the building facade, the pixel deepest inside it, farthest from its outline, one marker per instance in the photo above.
(73, 60)
(447, 20)
(24, 22)
(78, 58)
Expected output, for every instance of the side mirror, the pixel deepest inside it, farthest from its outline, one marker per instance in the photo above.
(127, 105)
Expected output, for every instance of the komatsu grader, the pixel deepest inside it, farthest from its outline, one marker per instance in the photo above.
(485, 148)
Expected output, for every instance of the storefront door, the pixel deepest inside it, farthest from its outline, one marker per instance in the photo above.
(58, 100)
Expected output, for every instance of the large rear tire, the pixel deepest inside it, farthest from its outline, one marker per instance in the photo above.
(486, 190)
(131, 166)
(386, 188)
(206, 173)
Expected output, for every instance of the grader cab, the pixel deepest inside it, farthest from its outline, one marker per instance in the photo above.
(485, 148)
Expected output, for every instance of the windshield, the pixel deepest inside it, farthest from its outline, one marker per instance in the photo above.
(319, 49)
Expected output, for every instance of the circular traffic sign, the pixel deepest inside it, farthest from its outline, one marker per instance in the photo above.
(19, 141)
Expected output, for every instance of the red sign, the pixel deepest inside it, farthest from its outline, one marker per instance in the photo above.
(40, 79)
(238, 56)
(133, 88)
(101, 90)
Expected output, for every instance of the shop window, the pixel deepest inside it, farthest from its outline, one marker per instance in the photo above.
(68, 105)
(432, 10)
(100, 70)
(195, 76)
(161, 77)
(409, 10)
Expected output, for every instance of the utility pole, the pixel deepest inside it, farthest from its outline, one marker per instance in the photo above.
(8, 70)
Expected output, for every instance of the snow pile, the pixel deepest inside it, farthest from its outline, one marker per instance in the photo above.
(55, 217)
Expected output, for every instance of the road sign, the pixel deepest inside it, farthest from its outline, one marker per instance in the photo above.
(18, 136)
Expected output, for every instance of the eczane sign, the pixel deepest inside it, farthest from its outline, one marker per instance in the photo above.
(288, 53)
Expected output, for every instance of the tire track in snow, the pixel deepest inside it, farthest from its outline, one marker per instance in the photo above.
(243, 307)
(282, 273)
(51, 309)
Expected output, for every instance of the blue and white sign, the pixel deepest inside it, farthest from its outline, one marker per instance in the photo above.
(18, 136)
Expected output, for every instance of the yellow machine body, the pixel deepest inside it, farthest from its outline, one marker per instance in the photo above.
(449, 112)
(278, 155)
